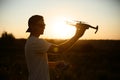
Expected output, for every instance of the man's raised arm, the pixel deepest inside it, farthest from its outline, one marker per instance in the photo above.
(80, 30)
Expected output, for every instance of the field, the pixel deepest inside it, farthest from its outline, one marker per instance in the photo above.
(87, 60)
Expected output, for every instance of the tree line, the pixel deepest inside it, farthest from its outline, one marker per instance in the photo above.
(6, 39)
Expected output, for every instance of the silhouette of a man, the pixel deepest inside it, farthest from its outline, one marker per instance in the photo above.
(36, 48)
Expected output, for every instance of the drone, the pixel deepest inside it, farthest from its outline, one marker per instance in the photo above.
(83, 24)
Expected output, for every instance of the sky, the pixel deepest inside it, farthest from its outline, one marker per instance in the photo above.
(14, 15)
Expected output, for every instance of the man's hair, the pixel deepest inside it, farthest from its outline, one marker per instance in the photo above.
(35, 18)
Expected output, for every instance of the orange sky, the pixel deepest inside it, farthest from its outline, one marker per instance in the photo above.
(105, 13)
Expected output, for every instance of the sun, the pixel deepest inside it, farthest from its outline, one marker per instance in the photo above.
(61, 29)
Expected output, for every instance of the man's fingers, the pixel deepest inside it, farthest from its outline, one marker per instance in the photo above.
(82, 26)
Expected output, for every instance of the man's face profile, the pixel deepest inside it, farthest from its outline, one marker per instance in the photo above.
(40, 26)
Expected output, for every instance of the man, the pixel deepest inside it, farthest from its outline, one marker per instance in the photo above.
(36, 48)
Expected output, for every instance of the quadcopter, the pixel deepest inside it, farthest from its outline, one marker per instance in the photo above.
(83, 24)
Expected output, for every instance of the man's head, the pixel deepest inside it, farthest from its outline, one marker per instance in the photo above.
(36, 24)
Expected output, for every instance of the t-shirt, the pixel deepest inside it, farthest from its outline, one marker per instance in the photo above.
(36, 58)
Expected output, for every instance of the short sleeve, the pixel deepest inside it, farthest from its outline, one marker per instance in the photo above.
(42, 46)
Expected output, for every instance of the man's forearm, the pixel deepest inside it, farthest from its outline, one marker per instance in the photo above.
(68, 44)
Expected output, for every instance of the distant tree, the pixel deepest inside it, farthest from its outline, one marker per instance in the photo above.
(7, 39)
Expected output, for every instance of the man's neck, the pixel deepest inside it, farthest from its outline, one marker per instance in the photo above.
(34, 35)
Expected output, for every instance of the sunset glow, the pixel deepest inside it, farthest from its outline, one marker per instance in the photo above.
(104, 13)
(61, 29)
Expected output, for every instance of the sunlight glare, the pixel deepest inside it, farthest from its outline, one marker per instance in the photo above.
(61, 29)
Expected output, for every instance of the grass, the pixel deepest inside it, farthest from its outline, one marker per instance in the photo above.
(88, 60)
